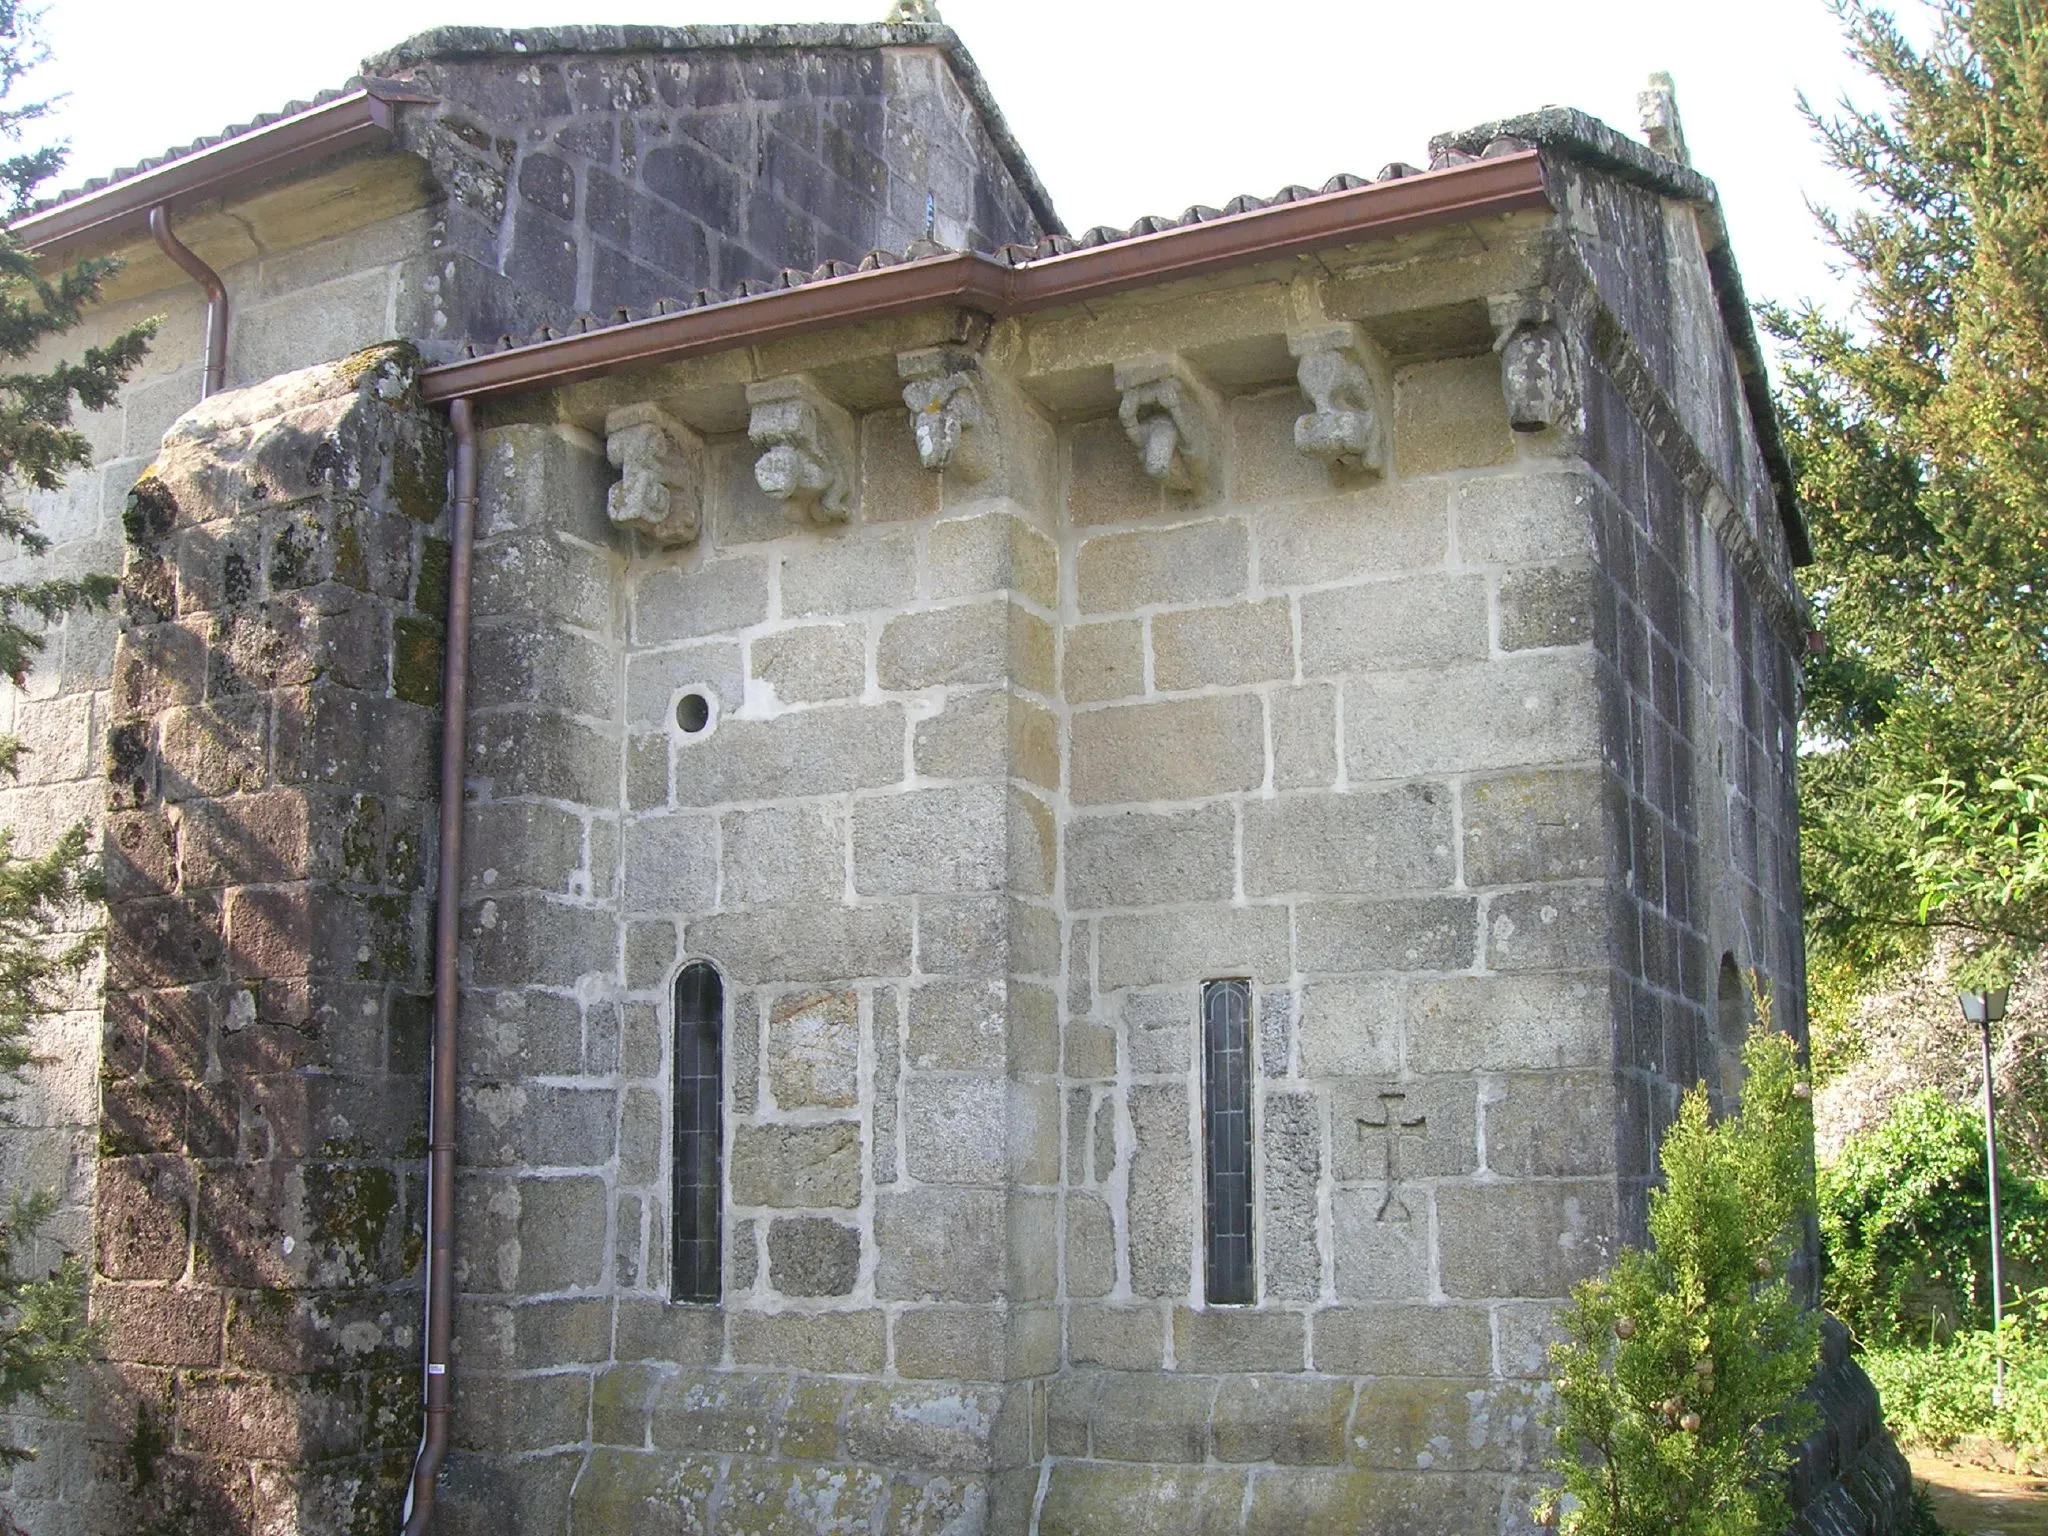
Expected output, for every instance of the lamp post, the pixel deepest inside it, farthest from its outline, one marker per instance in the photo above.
(1985, 1009)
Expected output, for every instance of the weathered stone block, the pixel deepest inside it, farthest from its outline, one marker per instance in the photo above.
(1202, 561)
(1556, 927)
(1091, 1250)
(950, 1343)
(1432, 933)
(813, 1256)
(1450, 415)
(1135, 858)
(797, 1165)
(1105, 660)
(935, 1428)
(1177, 749)
(783, 854)
(671, 864)
(1237, 1339)
(1159, 1030)
(1448, 1426)
(957, 1026)
(1291, 1134)
(1083, 1498)
(814, 1050)
(807, 752)
(1145, 1417)
(1531, 709)
(953, 1129)
(993, 552)
(1396, 1340)
(1546, 607)
(828, 575)
(813, 662)
(635, 1491)
(1524, 828)
(1159, 948)
(1500, 1024)
(1389, 527)
(1516, 1238)
(810, 1341)
(1381, 1259)
(940, 1244)
(1351, 1027)
(1369, 841)
(1527, 519)
(932, 841)
(1552, 1125)
(1220, 647)
(1281, 1419)
(1422, 621)
(1159, 1204)
(805, 943)
(676, 602)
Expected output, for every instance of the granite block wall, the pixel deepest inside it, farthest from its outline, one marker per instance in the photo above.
(589, 169)
(269, 851)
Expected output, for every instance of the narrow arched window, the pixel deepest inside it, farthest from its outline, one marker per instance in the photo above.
(1732, 1016)
(699, 1133)
(1227, 1140)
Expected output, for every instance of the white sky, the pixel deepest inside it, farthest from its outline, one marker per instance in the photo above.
(1126, 107)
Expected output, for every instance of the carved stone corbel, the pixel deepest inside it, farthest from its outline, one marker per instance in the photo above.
(661, 473)
(1171, 415)
(1535, 374)
(1342, 375)
(949, 408)
(807, 458)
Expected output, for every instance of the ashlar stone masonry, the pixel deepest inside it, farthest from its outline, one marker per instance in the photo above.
(1401, 632)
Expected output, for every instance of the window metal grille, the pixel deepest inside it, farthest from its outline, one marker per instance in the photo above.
(699, 1133)
(1227, 1138)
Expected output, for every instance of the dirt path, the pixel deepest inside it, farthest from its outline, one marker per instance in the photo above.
(1973, 1501)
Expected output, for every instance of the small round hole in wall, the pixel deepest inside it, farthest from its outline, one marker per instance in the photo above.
(693, 712)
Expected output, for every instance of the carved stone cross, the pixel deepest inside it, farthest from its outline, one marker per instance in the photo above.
(1391, 1125)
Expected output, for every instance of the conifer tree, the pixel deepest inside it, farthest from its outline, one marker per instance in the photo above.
(42, 1310)
(1920, 433)
(1680, 1370)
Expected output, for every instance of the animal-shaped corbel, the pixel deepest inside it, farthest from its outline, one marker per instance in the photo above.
(1535, 373)
(660, 463)
(1341, 373)
(948, 407)
(806, 442)
(1171, 415)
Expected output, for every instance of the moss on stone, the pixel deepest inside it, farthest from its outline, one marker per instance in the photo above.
(349, 1209)
(151, 511)
(430, 588)
(391, 951)
(416, 661)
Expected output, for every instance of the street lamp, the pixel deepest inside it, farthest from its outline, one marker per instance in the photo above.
(1985, 1009)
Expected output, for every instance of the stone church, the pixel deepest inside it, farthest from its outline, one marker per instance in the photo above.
(821, 858)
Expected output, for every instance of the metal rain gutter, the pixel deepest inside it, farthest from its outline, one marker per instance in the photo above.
(437, 1383)
(1485, 188)
(117, 211)
(216, 297)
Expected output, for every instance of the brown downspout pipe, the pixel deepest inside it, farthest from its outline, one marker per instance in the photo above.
(216, 297)
(437, 1385)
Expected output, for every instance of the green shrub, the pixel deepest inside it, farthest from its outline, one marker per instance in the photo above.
(1935, 1396)
(1905, 1226)
(1680, 1374)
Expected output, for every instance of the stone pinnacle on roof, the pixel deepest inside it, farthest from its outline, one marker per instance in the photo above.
(1657, 108)
(910, 12)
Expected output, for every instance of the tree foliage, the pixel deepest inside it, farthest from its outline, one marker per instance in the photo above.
(42, 1307)
(1681, 1368)
(1920, 434)
(1906, 1225)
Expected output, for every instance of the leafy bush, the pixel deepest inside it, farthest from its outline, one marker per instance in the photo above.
(1680, 1375)
(1905, 1226)
(1936, 1396)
